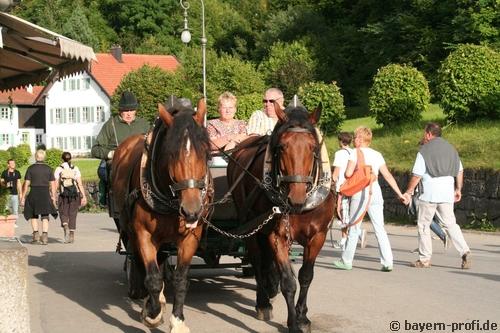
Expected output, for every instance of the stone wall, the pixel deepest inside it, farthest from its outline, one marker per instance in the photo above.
(480, 195)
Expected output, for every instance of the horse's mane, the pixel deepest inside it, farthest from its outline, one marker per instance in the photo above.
(297, 117)
(176, 138)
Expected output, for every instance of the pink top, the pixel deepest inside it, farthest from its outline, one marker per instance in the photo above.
(217, 129)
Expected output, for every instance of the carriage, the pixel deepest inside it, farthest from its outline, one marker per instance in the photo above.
(167, 189)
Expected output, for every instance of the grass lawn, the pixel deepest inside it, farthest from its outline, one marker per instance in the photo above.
(87, 166)
(478, 143)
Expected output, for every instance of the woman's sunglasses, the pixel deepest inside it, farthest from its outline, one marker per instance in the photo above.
(265, 101)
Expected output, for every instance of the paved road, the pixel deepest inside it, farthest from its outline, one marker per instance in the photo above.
(80, 287)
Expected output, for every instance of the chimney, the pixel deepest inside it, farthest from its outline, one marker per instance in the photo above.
(116, 51)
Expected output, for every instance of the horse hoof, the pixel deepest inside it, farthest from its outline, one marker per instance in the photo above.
(265, 314)
(178, 326)
(152, 322)
(147, 320)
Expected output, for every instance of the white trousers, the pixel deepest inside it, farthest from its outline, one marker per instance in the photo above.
(426, 212)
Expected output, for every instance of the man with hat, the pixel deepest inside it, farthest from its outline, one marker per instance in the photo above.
(115, 131)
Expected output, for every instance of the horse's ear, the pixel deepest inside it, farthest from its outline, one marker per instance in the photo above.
(316, 115)
(280, 112)
(167, 118)
(201, 111)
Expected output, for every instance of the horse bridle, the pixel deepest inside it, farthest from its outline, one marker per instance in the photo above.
(187, 184)
(294, 178)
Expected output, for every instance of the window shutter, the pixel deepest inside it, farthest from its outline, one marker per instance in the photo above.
(64, 85)
(51, 116)
(65, 143)
(92, 115)
(51, 142)
(79, 142)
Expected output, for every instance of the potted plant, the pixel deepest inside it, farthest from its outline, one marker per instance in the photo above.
(7, 221)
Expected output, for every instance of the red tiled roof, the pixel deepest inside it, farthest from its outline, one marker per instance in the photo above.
(109, 72)
(20, 96)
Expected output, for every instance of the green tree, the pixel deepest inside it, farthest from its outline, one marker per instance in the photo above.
(288, 67)
(77, 27)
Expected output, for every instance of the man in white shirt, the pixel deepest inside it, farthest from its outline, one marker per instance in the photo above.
(441, 171)
(262, 122)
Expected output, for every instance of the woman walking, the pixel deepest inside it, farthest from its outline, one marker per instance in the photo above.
(41, 200)
(71, 195)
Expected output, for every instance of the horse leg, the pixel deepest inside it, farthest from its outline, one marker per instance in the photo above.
(288, 283)
(186, 248)
(260, 257)
(152, 310)
(306, 274)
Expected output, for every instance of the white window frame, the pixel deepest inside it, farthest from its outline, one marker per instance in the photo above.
(85, 115)
(5, 113)
(72, 115)
(5, 139)
(58, 115)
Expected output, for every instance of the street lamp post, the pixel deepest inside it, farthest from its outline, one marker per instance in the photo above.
(186, 38)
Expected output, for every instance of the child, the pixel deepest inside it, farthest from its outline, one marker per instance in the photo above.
(340, 163)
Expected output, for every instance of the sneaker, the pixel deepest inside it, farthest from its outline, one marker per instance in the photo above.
(422, 264)
(466, 262)
(338, 264)
(336, 244)
(362, 239)
(36, 238)
(386, 269)
(45, 238)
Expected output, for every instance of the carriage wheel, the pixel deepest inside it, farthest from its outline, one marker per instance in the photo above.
(135, 278)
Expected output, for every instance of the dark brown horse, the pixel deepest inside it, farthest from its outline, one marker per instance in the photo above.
(295, 163)
(162, 186)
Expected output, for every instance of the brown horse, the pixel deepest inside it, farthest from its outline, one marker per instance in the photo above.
(294, 153)
(162, 187)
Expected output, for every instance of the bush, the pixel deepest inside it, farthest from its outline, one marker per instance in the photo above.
(333, 111)
(21, 154)
(468, 83)
(151, 85)
(247, 104)
(231, 74)
(53, 157)
(288, 67)
(399, 94)
(4, 157)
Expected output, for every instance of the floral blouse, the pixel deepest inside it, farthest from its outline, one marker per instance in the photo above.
(217, 129)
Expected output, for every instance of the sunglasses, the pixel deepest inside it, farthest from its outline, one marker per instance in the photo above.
(265, 101)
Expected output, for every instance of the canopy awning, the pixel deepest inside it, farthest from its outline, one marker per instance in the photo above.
(30, 54)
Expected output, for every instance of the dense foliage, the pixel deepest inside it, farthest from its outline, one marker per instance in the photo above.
(469, 83)
(341, 41)
(21, 154)
(400, 94)
(53, 157)
(330, 99)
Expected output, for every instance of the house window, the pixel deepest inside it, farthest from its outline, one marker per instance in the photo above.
(72, 115)
(85, 114)
(58, 116)
(99, 117)
(59, 143)
(38, 138)
(4, 113)
(88, 142)
(5, 139)
(25, 137)
(86, 83)
(73, 143)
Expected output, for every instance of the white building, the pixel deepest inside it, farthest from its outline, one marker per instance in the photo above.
(21, 121)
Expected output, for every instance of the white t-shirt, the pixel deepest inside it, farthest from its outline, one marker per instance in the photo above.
(372, 158)
(436, 189)
(340, 161)
(65, 165)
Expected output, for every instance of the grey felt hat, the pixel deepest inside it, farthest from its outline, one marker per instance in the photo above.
(127, 102)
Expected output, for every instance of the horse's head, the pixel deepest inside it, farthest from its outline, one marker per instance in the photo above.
(185, 156)
(296, 150)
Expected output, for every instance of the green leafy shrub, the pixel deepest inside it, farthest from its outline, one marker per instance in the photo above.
(480, 223)
(231, 74)
(247, 104)
(151, 85)
(21, 154)
(4, 157)
(468, 83)
(399, 94)
(53, 157)
(288, 67)
(332, 101)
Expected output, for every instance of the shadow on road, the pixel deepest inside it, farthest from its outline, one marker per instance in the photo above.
(96, 281)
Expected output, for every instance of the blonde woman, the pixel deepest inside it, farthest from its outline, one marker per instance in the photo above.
(373, 204)
(226, 131)
(40, 202)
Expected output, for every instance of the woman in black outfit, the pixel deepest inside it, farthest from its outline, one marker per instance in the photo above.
(41, 200)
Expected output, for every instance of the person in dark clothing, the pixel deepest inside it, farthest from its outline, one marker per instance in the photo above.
(113, 132)
(10, 178)
(71, 195)
(41, 200)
